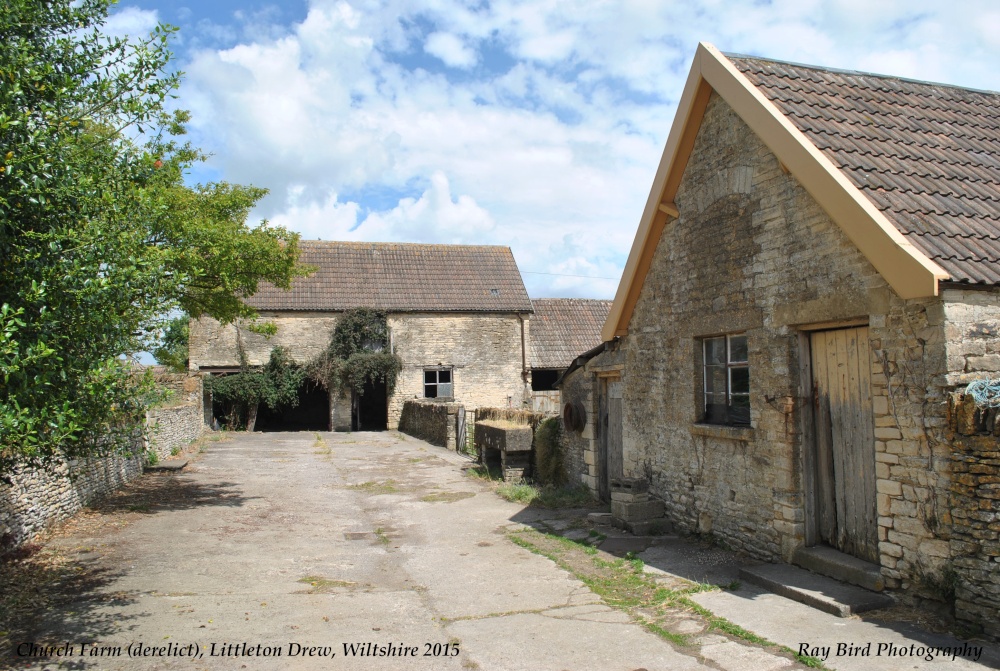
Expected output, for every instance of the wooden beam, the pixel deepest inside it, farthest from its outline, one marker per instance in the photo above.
(670, 209)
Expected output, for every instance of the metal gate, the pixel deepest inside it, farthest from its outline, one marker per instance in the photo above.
(461, 437)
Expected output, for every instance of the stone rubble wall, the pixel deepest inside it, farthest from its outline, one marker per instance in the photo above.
(433, 421)
(170, 429)
(581, 447)
(37, 499)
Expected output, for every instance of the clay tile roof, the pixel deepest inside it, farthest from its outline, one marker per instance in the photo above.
(562, 328)
(400, 277)
(927, 155)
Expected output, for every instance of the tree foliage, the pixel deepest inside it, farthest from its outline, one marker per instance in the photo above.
(358, 354)
(173, 348)
(99, 236)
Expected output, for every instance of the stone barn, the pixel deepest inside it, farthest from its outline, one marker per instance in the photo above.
(813, 282)
(561, 328)
(458, 319)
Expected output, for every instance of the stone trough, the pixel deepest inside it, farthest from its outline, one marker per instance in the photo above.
(507, 443)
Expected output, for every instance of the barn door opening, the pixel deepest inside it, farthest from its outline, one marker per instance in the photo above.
(609, 459)
(370, 410)
(844, 441)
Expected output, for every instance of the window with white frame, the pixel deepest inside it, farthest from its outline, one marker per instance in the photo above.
(437, 383)
(727, 380)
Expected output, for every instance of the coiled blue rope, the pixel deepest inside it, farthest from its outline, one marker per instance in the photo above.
(986, 393)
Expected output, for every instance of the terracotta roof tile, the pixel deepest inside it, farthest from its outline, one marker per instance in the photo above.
(563, 328)
(927, 155)
(399, 277)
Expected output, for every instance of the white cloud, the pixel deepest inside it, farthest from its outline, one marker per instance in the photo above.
(451, 50)
(549, 146)
(131, 22)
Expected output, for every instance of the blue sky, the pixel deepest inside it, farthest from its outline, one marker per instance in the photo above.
(532, 124)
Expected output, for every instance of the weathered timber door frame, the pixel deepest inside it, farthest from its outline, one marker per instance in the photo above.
(610, 416)
(838, 440)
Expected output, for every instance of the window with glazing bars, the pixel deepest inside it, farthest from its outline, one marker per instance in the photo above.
(437, 383)
(727, 380)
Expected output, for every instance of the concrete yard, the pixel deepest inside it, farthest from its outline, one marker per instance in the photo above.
(318, 544)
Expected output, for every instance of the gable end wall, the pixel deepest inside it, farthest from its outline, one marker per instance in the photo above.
(753, 252)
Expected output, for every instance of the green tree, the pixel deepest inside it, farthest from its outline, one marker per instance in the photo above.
(99, 235)
(173, 348)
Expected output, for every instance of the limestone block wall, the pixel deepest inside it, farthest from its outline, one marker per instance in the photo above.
(753, 253)
(305, 334)
(37, 499)
(483, 351)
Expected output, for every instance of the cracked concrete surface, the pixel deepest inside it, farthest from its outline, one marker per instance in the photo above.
(358, 538)
(289, 542)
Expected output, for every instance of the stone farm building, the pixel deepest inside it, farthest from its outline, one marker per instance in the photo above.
(813, 282)
(458, 318)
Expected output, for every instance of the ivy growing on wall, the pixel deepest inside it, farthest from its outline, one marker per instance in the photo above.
(358, 354)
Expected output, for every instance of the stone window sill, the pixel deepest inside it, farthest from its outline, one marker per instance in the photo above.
(722, 431)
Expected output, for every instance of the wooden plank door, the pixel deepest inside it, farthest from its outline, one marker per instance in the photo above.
(609, 457)
(614, 428)
(845, 441)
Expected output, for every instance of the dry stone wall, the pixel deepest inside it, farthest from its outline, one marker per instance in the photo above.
(181, 419)
(37, 499)
(435, 422)
(972, 327)
(174, 428)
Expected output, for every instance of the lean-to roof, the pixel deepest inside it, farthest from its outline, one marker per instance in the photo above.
(563, 328)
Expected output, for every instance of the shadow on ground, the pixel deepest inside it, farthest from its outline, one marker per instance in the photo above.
(57, 586)
(47, 592)
(156, 493)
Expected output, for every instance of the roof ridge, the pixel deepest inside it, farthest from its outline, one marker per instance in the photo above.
(360, 243)
(858, 73)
